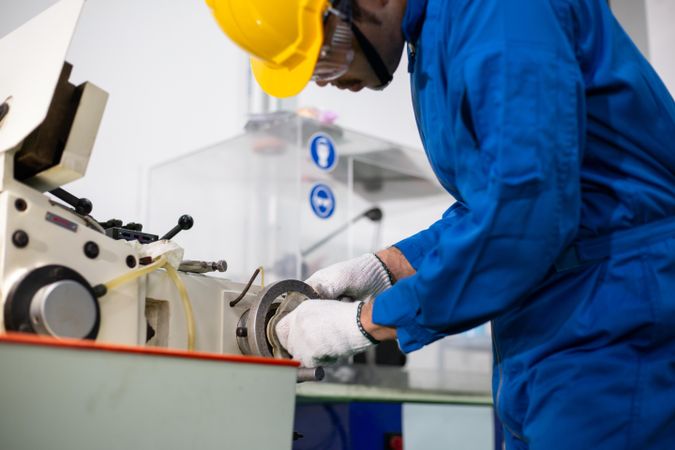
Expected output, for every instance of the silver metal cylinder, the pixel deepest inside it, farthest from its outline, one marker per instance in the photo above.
(63, 309)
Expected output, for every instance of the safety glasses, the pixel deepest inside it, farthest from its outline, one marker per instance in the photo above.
(336, 54)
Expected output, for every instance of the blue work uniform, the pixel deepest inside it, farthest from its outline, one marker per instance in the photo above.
(557, 139)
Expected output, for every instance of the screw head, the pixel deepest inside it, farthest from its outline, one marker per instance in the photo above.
(20, 204)
(241, 332)
(91, 249)
(131, 261)
(20, 238)
(100, 290)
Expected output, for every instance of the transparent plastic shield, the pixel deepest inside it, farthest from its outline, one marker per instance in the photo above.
(262, 198)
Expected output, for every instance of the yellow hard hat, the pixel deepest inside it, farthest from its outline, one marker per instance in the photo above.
(283, 37)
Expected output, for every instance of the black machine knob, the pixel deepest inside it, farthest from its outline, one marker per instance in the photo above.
(185, 222)
(82, 206)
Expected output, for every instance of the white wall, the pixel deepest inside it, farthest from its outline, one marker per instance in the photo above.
(661, 32)
(650, 24)
(175, 83)
(632, 14)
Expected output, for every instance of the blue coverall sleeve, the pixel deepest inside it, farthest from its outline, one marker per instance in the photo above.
(417, 246)
(516, 115)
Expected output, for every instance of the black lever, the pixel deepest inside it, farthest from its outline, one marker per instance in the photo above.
(185, 222)
(82, 206)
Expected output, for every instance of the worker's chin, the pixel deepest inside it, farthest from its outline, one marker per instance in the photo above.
(349, 84)
(379, 87)
(349, 87)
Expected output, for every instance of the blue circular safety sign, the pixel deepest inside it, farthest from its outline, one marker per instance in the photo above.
(323, 152)
(322, 200)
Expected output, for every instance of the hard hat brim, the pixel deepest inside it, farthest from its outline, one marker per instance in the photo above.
(281, 82)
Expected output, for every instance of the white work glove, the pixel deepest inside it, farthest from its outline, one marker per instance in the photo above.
(321, 331)
(357, 278)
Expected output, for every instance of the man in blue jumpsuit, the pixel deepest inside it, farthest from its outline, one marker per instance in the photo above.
(557, 139)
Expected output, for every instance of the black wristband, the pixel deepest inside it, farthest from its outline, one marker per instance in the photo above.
(392, 280)
(361, 329)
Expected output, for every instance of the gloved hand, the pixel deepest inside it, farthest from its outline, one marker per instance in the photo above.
(357, 278)
(321, 331)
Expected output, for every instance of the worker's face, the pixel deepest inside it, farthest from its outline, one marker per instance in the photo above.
(380, 22)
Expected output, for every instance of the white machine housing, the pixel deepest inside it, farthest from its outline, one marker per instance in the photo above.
(38, 232)
(56, 263)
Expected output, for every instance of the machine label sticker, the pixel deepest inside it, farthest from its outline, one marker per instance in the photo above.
(324, 154)
(322, 200)
(62, 222)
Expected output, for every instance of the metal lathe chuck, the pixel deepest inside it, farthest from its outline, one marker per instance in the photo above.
(252, 335)
(255, 331)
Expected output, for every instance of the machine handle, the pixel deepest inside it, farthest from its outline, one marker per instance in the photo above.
(185, 222)
(83, 206)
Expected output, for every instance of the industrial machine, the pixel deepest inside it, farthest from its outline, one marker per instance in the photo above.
(68, 276)
(65, 274)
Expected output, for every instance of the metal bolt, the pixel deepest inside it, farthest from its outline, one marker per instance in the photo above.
(20, 204)
(242, 332)
(100, 290)
(91, 249)
(131, 261)
(220, 266)
(20, 238)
